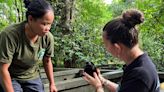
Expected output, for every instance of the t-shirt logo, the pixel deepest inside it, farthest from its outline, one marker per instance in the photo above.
(41, 54)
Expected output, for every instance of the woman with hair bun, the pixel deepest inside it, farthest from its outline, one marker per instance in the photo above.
(120, 37)
(23, 46)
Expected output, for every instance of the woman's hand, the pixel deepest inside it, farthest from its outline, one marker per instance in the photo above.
(94, 81)
(102, 79)
(110, 85)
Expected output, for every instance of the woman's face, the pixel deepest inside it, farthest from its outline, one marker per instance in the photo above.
(42, 25)
(111, 48)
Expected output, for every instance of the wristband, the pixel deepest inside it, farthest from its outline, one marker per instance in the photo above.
(106, 82)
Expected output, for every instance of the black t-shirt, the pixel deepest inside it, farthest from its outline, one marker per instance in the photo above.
(140, 76)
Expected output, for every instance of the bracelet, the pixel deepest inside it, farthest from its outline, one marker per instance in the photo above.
(106, 82)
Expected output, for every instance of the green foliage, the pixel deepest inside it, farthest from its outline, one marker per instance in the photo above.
(89, 20)
(92, 12)
(84, 43)
(66, 48)
(152, 31)
(5, 15)
(9, 12)
(91, 17)
(2, 17)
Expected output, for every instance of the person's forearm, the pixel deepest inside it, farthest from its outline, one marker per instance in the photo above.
(99, 89)
(49, 70)
(113, 86)
(6, 81)
(110, 85)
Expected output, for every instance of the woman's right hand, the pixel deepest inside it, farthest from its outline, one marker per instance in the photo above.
(94, 81)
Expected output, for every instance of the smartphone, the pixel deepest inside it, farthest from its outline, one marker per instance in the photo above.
(90, 68)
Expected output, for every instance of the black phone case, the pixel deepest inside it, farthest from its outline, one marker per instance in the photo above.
(90, 68)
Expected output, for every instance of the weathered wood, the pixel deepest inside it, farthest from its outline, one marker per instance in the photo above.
(61, 75)
(161, 75)
(77, 84)
(70, 80)
(56, 69)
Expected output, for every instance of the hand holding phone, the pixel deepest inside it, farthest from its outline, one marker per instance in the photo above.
(90, 68)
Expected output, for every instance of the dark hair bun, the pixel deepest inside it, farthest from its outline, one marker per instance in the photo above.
(132, 17)
(27, 2)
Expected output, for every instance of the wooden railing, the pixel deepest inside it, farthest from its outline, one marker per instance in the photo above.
(70, 79)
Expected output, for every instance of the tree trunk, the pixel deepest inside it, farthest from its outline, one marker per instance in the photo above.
(64, 9)
(66, 16)
(64, 12)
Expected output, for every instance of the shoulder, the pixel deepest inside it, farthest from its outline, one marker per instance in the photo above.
(144, 66)
(12, 30)
(11, 35)
(143, 74)
(136, 73)
(47, 40)
(140, 71)
(48, 37)
(131, 79)
(49, 34)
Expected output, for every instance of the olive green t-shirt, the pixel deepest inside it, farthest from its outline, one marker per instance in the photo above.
(24, 57)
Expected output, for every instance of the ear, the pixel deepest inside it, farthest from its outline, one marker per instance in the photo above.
(30, 18)
(117, 48)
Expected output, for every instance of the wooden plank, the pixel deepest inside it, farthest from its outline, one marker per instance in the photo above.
(56, 69)
(161, 75)
(61, 73)
(72, 84)
(80, 82)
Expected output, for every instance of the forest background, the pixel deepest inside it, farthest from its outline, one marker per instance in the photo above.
(78, 24)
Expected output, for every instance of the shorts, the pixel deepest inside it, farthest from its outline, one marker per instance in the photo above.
(34, 85)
